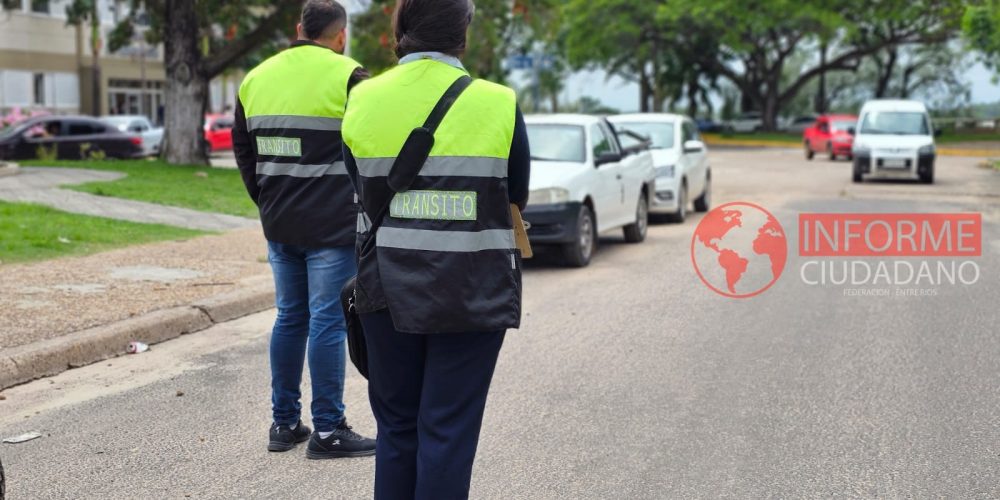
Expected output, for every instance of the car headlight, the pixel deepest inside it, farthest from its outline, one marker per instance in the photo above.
(926, 150)
(861, 149)
(667, 171)
(548, 196)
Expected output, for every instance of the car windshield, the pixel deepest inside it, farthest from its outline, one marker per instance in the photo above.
(661, 134)
(895, 122)
(556, 143)
(843, 125)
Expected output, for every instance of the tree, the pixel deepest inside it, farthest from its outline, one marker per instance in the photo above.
(761, 37)
(632, 40)
(201, 39)
(497, 30)
(78, 13)
(981, 28)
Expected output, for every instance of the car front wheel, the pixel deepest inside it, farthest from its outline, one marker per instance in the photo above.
(682, 200)
(856, 176)
(579, 252)
(704, 202)
(636, 232)
(928, 177)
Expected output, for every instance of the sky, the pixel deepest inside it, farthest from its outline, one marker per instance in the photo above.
(624, 96)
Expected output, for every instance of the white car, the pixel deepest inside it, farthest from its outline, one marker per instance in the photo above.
(894, 139)
(152, 137)
(680, 158)
(583, 182)
(746, 122)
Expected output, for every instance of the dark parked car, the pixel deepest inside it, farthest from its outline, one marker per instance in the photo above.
(708, 126)
(67, 138)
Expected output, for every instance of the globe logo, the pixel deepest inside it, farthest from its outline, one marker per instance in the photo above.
(739, 250)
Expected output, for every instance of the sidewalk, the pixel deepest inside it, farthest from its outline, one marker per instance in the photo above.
(41, 186)
(49, 301)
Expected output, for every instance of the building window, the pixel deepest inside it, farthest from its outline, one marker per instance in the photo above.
(39, 89)
(40, 6)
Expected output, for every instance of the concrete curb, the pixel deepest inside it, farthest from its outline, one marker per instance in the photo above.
(8, 169)
(50, 357)
(751, 143)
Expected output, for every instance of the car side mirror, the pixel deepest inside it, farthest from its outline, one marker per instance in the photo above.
(851, 131)
(607, 157)
(938, 133)
(694, 147)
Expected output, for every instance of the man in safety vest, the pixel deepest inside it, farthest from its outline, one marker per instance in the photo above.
(289, 150)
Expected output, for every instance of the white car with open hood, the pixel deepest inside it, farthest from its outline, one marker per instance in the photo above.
(583, 182)
(680, 157)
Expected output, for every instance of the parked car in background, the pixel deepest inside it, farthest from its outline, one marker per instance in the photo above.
(680, 159)
(746, 122)
(894, 140)
(708, 126)
(799, 124)
(67, 138)
(830, 135)
(219, 132)
(152, 137)
(583, 182)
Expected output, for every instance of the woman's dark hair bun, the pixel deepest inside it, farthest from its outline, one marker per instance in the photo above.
(432, 26)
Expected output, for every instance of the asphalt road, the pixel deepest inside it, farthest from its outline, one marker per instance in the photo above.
(629, 379)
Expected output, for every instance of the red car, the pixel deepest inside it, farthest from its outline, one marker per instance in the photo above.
(832, 135)
(219, 132)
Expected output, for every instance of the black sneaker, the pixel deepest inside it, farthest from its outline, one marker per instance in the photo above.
(342, 443)
(284, 438)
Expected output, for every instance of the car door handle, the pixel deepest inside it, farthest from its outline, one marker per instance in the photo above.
(619, 177)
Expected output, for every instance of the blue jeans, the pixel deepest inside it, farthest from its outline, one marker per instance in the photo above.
(307, 285)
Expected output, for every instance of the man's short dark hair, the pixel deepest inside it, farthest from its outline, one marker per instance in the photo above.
(322, 18)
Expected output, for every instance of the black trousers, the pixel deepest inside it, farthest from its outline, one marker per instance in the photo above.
(428, 394)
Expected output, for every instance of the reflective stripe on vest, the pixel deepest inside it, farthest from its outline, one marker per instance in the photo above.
(293, 121)
(438, 166)
(303, 171)
(445, 241)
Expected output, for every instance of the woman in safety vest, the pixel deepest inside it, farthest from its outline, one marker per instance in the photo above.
(442, 282)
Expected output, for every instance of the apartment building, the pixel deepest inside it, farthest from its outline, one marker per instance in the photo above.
(46, 64)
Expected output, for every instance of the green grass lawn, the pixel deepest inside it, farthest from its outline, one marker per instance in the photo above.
(198, 188)
(32, 232)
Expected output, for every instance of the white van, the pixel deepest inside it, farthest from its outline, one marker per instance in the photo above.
(894, 139)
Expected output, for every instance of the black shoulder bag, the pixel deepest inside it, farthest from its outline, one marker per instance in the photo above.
(405, 170)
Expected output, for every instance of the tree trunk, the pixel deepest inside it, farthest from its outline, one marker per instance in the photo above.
(95, 54)
(692, 96)
(821, 100)
(771, 106)
(644, 92)
(658, 99)
(187, 86)
(904, 85)
(885, 72)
